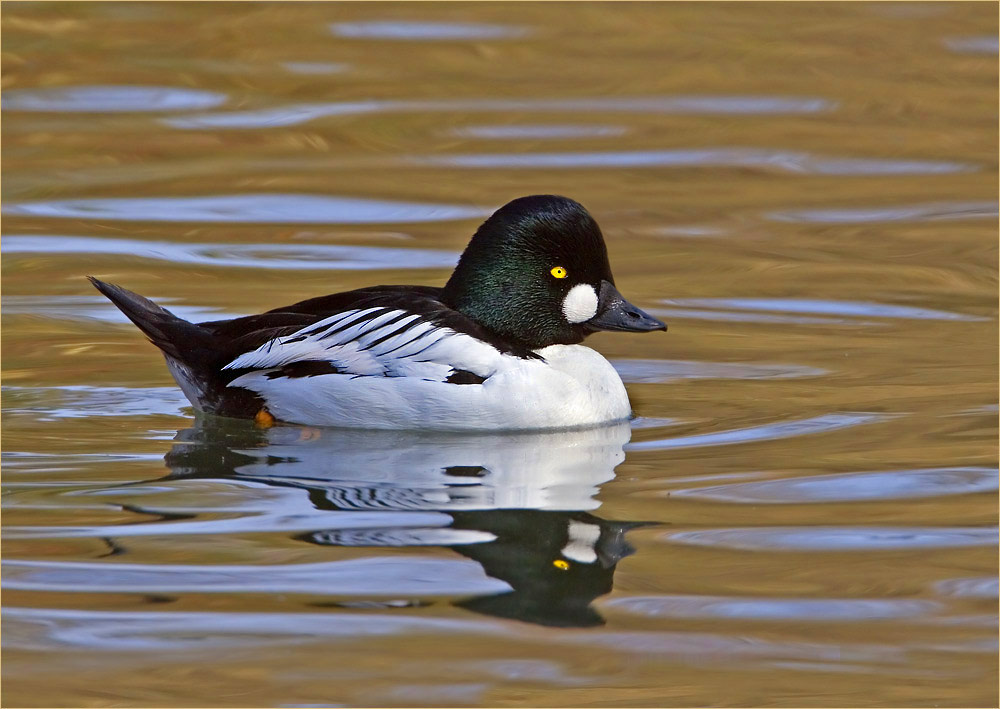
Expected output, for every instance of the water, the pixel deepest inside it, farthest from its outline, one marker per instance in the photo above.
(804, 512)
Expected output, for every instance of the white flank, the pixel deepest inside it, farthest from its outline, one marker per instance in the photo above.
(572, 387)
(580, 304)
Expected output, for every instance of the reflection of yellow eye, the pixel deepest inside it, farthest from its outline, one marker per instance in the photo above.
(558, 272)
(561, 565)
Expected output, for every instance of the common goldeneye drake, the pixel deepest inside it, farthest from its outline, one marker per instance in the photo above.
(495, 349)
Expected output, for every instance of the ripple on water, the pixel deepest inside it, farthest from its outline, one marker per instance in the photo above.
(422, 31)
(295, 114)
(277, 512)
(110, 99)
(765, 432)
(850, 487)
(379, 576)
(837, 538)
(688, 230)
(770, 609)
(751, 317)
(35, 463)
(53, 403)
(521, 670)
(47, 629)
(742, 650)
(643, 422)
(247, 209)
(782, 161)
(275, 256)
(811, 307)
(652, 371)
(986, 44)
(96, 307)
(975, 587)
(152, 631)
(314, 67)
(937, 211)
(539, 131)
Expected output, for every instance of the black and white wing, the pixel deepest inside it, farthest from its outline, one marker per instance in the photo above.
(383, 341)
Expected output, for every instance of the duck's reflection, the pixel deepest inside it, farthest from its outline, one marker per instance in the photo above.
(518, 503)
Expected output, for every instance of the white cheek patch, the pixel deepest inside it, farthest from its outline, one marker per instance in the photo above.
(582, 540)
(580, 304)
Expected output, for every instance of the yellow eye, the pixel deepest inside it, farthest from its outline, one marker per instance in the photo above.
(561, 565)
(558, 272)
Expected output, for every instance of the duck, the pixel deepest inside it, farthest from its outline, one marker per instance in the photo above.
(496, 349)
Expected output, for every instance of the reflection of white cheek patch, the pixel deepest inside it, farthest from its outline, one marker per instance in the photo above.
(582, 540)
(580, 304)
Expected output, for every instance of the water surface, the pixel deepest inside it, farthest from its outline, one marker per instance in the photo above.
(804, 511)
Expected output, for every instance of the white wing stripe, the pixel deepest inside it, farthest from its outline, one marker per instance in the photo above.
(349, 359)
(356, 333)
(324, 339)
(414, 333)
(388, 335)
(347, 323)
(300, 345)
(443, 336)
(419, 343)
(262, 357)
(326, 323)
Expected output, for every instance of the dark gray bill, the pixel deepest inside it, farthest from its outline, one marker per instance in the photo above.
(616, 313)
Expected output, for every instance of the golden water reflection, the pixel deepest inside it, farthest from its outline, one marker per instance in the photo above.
(804, 512)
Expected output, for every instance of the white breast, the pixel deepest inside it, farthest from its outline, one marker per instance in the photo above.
(572, 386)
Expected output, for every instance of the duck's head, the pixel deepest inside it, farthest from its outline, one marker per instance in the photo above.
(537, 272)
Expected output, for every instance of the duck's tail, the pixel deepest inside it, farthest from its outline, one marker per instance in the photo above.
(186, 346)
(164, 329)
